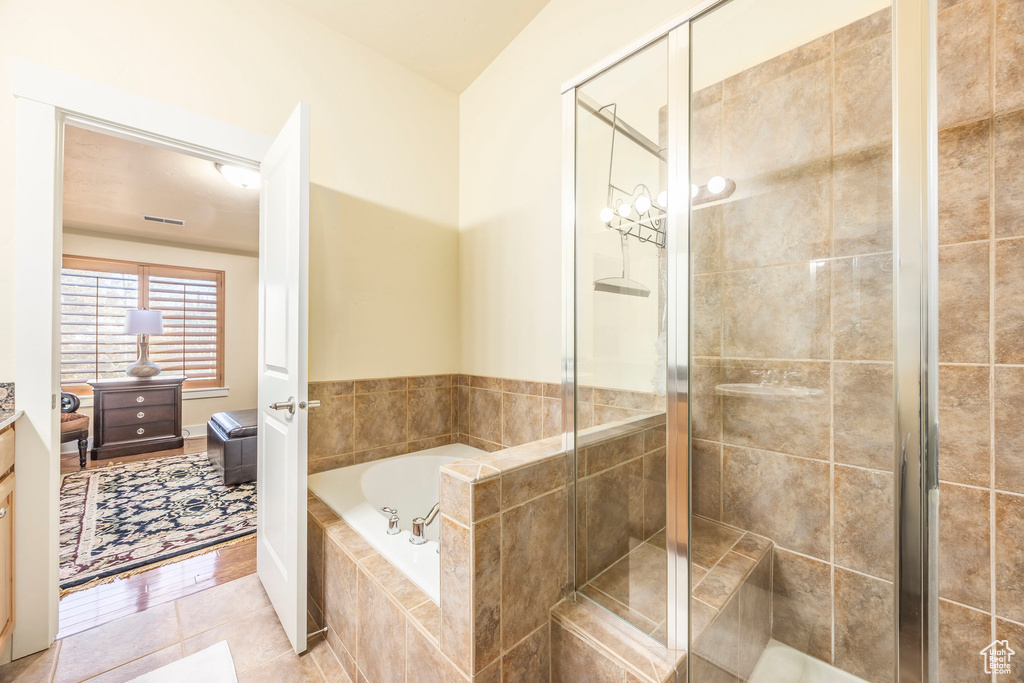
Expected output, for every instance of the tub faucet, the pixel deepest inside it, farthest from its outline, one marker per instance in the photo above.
(393, 528)
(420, 524)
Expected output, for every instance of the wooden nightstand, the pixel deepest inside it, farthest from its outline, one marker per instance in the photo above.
(136, 415)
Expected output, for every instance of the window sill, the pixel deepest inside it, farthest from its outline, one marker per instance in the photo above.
(186, 394)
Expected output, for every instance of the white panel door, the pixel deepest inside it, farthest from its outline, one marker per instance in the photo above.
(283, 322)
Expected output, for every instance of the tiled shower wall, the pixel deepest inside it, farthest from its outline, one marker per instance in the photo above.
(793, 274)
(800, 270)
(369, 419)
(981, 321)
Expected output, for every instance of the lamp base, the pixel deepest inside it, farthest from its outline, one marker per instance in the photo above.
(143, 370)
(143, 367)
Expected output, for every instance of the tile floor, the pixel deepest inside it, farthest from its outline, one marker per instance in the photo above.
(91, 607)
(238, 612)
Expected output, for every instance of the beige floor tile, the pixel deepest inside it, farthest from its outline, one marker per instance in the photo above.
(107, 647)
(221, 604)
(143, 665)
(287, 667)
(31, 669)
(255, 639)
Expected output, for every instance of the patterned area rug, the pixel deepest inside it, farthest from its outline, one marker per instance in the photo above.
(118, 518)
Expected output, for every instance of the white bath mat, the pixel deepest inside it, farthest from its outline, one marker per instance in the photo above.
(212, 665)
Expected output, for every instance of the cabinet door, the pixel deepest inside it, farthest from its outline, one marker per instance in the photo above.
(6, 558)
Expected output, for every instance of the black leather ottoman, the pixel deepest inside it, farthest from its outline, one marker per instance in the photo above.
(231, 445)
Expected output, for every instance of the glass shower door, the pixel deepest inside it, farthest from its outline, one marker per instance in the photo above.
(791, 334)
(620, 340)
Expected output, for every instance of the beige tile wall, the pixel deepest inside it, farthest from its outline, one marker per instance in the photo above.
(496, 413)
(793, 274)
(380, 625)
(816, 476)
(622, 486)
(981, 351)
(369, 419)
(505, 557)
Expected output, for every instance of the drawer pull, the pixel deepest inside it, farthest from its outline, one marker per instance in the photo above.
(140, 415)
(140, 399)
(3, 512)
(140, 430)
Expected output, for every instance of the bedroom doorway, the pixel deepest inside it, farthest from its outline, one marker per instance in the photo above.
(46, 100)
(167, 242)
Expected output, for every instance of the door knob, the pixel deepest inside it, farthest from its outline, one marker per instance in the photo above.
(288, 405)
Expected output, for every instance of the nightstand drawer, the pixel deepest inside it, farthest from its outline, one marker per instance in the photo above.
(119, 417)
(150, 430)
(140, 398)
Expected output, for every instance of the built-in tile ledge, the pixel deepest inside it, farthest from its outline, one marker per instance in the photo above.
(9, 417)
(491, 465)
(581, 632)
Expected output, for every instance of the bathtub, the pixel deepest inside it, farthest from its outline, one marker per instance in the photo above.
(407, 483)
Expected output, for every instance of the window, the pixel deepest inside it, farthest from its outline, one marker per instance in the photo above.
(95, 293)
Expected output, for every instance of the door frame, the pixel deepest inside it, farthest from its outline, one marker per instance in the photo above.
(45, 99)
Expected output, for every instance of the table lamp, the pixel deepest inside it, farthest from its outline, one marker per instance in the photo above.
(143, 323)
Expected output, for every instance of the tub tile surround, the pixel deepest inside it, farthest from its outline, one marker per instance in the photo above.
(505, 564)
(363, 420)
(505, 554)
(376, 617)
(371, 419)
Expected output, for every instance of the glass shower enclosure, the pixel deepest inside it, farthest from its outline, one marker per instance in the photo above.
(750, 235)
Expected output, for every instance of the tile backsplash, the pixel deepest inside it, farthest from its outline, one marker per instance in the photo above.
(369, 419)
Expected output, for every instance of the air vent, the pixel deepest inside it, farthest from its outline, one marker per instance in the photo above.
(158, 219)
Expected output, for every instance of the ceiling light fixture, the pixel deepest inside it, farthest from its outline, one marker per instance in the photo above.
(240, 176)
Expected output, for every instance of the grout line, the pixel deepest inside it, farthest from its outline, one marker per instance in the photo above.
(991, 321)
(181, 631)
(832, 275)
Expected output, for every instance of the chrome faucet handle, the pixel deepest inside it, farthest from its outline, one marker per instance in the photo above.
(420, 524)
(393, 522)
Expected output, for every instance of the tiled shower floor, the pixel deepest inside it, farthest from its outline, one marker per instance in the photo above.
(782, 664)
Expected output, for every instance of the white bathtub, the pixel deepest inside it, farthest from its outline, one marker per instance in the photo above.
(407, 483)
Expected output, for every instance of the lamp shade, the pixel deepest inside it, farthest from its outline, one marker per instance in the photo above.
(143, 322)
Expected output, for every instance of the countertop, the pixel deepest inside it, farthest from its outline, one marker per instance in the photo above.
(8, 417)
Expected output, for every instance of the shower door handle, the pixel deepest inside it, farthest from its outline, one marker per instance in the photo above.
(288, 405)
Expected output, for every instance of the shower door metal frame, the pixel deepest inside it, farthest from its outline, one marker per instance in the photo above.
(915, 338)
(915, 322)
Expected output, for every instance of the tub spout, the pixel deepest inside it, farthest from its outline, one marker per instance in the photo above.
(420, 524)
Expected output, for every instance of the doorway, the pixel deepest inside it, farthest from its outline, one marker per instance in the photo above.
(159, 238)
(46, 100)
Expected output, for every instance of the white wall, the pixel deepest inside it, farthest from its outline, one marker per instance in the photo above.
(384, 156)
(510, 182)
(241, 276)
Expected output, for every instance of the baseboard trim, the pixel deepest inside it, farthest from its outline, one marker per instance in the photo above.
(192, 431)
